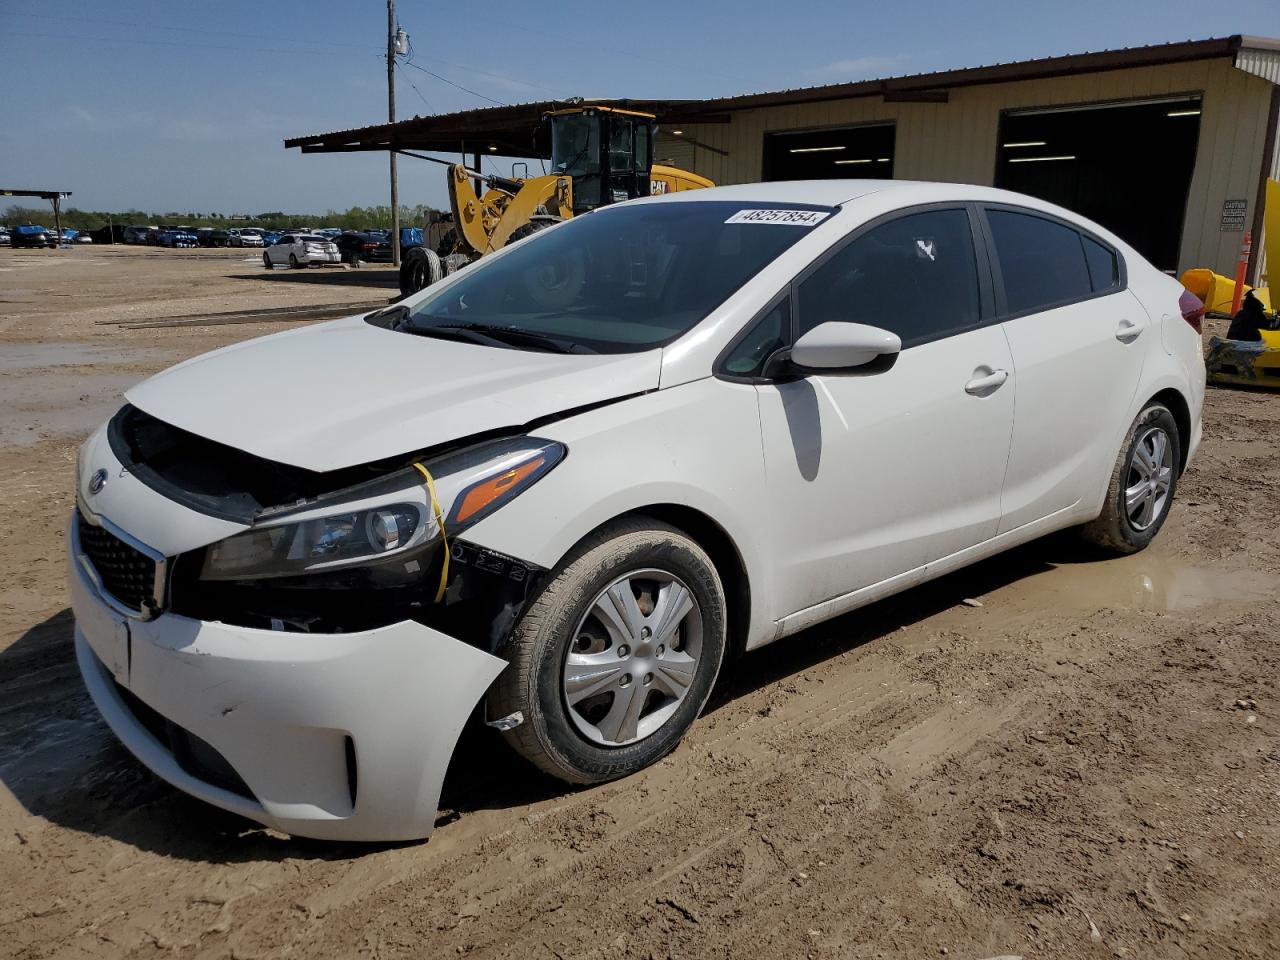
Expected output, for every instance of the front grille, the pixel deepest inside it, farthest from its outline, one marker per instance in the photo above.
(126, 573)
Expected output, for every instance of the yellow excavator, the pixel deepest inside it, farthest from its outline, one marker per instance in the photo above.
(599, 155)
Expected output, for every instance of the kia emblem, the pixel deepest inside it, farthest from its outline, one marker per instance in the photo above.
(98, 480)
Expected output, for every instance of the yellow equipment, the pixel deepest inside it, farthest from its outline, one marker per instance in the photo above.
(1250, 364)
(599, 155)
(1216, 292)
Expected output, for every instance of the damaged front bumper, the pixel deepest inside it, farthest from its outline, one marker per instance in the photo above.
(339, 736)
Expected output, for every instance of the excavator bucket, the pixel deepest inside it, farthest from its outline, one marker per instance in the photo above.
(1253, 364)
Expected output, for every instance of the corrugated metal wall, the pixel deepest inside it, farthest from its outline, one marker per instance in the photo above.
(956, 141)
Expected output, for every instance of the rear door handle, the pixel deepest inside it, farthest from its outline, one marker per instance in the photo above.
(1128, 331)
(986, 382)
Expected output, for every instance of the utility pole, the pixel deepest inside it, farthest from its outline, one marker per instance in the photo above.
(391, 119)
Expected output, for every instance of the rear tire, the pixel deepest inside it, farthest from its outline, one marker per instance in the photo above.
(293, 262)
(663, 669)
(1143, 483)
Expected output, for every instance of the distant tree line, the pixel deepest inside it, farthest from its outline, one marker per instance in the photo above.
(356, 218)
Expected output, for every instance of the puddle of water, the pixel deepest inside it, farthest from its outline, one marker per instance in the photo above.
(1144, 581)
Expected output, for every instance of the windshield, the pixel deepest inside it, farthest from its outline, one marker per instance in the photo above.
(575, 144)
(620, 280)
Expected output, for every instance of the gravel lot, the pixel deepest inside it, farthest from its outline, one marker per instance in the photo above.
(1085, 765)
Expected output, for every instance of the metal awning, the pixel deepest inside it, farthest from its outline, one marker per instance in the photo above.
(518, 131)
(514, 131)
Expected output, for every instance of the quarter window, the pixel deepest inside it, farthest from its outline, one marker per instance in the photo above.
(916, 276)
(1042, 261)
(1102, 265)
(747, 359)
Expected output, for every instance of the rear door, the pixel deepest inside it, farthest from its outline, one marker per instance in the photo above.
(1078, 339)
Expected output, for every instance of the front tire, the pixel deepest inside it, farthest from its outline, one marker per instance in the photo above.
(617, 656)
(1143, 484)
(266, 261)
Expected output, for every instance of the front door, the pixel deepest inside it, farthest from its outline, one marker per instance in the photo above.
(872, 476)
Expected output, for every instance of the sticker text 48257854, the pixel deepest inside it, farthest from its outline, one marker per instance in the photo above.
(790, 218)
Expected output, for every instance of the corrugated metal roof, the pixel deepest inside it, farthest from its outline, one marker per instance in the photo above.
(517, 130)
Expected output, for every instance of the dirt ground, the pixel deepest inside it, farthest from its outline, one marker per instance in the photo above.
(1084, 765)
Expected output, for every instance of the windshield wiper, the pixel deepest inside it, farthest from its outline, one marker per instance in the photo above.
(514, 336)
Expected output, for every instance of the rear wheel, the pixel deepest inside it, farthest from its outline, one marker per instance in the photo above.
(293, 262)
(1142, 485)
(617, 656)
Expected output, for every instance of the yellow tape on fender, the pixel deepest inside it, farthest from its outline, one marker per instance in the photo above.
(444, 537)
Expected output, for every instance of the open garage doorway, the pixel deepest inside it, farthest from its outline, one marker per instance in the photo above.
(1126, 165)
(830, 153)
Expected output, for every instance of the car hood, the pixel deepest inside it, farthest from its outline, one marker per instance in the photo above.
(344, 393)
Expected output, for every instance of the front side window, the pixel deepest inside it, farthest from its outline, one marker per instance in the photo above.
(618, 280)
(1042, 261)
(916, 276)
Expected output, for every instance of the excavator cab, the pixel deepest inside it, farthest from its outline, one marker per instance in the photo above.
(606, 151)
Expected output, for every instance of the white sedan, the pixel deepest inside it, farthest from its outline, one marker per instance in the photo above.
(555, 489)
(301, 250)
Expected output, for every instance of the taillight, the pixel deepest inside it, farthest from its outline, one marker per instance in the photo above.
(1192, 310)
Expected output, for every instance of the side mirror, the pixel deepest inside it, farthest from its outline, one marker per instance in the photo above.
(834, 347)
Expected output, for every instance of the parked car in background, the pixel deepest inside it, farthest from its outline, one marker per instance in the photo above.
(355, 247)
(4, 237)
(375, 539)
(67, 235)
(136, 234)
(178, 237)
(82, 238)
(32, 235)
(245, 237)
(271, 236)
(301, 250)
(202, 235)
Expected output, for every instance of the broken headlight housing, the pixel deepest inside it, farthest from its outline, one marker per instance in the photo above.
(392, 518)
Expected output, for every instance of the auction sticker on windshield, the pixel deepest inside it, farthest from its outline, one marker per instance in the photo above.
(794, 218)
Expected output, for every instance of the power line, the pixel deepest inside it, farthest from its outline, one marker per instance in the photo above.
(429, 73)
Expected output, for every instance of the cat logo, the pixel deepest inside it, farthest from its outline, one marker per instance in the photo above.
(658, 187)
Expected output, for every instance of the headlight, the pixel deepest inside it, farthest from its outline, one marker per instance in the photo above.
(392, 517)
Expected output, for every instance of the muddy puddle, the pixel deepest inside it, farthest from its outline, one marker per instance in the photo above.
(1151, 580)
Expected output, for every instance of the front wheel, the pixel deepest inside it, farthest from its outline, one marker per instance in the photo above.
(1142, 485)
(616, 657)
(266, 260)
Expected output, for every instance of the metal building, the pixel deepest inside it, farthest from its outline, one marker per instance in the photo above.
(1170, 146)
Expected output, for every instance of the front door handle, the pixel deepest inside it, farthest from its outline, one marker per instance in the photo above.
(986, 381)
(1128, 331)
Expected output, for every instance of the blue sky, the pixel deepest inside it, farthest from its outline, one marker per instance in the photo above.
(170, 105)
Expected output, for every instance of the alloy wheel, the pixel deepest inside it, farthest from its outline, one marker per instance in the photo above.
(1150, 476)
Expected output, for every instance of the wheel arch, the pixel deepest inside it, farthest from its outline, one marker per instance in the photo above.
(720, 547)
(1181, 411)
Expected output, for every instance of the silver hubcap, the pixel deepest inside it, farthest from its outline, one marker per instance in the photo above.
(632, 658)
(1150, 476)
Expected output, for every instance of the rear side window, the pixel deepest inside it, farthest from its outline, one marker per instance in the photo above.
(916, 276)
(1042, 261)
(1103, 271)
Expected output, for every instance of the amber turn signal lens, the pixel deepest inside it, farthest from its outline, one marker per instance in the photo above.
(485, 493)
